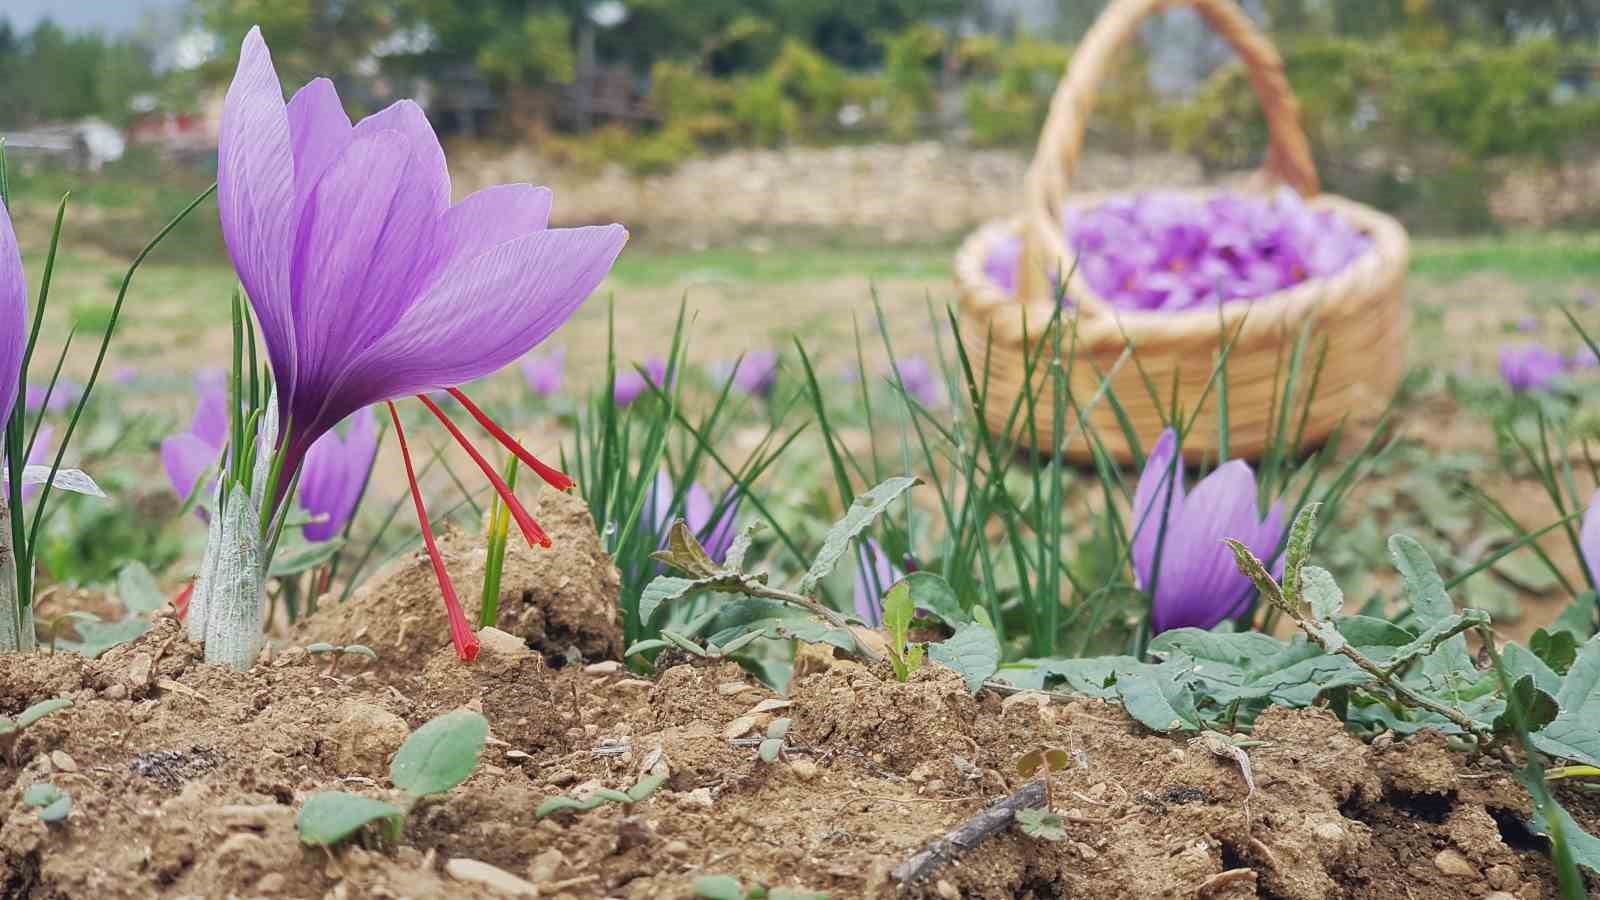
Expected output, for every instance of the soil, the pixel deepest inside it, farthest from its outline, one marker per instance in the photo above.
(186, 778)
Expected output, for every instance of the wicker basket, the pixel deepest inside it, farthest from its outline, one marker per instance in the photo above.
(1359, 312)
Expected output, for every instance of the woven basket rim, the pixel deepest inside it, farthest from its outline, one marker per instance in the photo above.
(1386, 259)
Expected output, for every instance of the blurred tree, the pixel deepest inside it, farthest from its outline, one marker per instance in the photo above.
(69, 76)
(308, 37)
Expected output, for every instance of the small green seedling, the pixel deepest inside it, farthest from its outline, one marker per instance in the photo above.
(772, 746)
(336, 652)
(11, 729)
(711, 650)
(898, 610)
(53, 803)
(641, 791)
(1042, 824)
(437, 757)
(727, 887)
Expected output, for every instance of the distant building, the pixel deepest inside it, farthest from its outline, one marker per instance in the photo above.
(84, 144)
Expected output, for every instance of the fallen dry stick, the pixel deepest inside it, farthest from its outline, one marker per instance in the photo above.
(1225, 879)
(990, 821)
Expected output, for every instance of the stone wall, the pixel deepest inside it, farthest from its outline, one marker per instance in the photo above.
(914, 193)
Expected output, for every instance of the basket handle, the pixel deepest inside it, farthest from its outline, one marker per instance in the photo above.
(1288, 160)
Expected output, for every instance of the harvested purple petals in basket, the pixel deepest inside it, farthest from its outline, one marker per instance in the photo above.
(1175, 251)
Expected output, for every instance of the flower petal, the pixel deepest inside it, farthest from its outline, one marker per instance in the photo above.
(186, 457)
(13, 316)
(255, 195)
(484, 313)
(361, 256)
(334, 474)
(319, 130)
(406, 117)
(491, 217)
(1199, 585)
(1159, 481)
(210, 422)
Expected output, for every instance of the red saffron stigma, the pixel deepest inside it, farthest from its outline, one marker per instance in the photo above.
(181, 602)
(552, 477)
(460, 632)
(530, 528)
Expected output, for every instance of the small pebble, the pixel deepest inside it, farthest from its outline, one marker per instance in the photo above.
(606, 667)
(546, 866)
(62, 761)
(804, 769)
(946, 890)
(496, 879)
(561, 778)
(116, 691)
(676, 848)
(1452, 863)
(1502, 878)
(271, 883)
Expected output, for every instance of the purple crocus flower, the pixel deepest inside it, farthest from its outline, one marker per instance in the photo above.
(630, 385)
(1530, 367)
(919, 380)
(13, 315)
(335, 475)
(756, 374)
(368, 284)
(544, 371)
(874, 576)
(59, 400)
(1197, 584)
(715, 536)
(188, 454)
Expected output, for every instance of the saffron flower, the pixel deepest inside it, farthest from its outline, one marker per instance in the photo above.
(13, 317)
(755, 374)
(369, 286)
(630, 385)
(1530, 367)
(188, 454)
(1195, 582)
(918, 379)
(1174, 252)
(1589, 539)
(543, 372)
(715, 535)
(874, 576)
(59, 400)
(335, 476)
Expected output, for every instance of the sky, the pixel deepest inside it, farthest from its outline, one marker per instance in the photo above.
(80, 15)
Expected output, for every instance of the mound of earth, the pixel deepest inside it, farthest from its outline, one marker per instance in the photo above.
(186, 778)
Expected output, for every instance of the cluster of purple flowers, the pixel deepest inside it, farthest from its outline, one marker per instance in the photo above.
(1173, 252)
(1535, 367)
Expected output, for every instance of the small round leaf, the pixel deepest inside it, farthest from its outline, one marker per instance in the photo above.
(329, 818)
(441, 754)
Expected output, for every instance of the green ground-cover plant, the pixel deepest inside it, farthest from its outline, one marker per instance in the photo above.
(435, 758)
(12, 727)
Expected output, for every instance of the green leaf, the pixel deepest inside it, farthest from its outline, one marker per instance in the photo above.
(933, 595)
(95, 638)
(1296, 552)
(897, 613)
(645, 646)
(1321, 592)
(53, 803)
(973, 651)
(866, 508)
(441, 754)
(779, 728)
(740, 548)
(1253, 569)
(718, 887)
(330, 817)
(769, 749)
(667, 588)
(360, 650)
(1041, 823)
(137, 589)
(1094, 677)
(613, 795)
(683, 643)
(1556, 649)
(1538, 707)
(685, 554)
(41, 709)
(1160, 696)
(1430, 604)
(1519, 662)
(1575, 733)
(564, 804)
(304, 557)
(787, 894)
(646, 786)
(320, 647)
